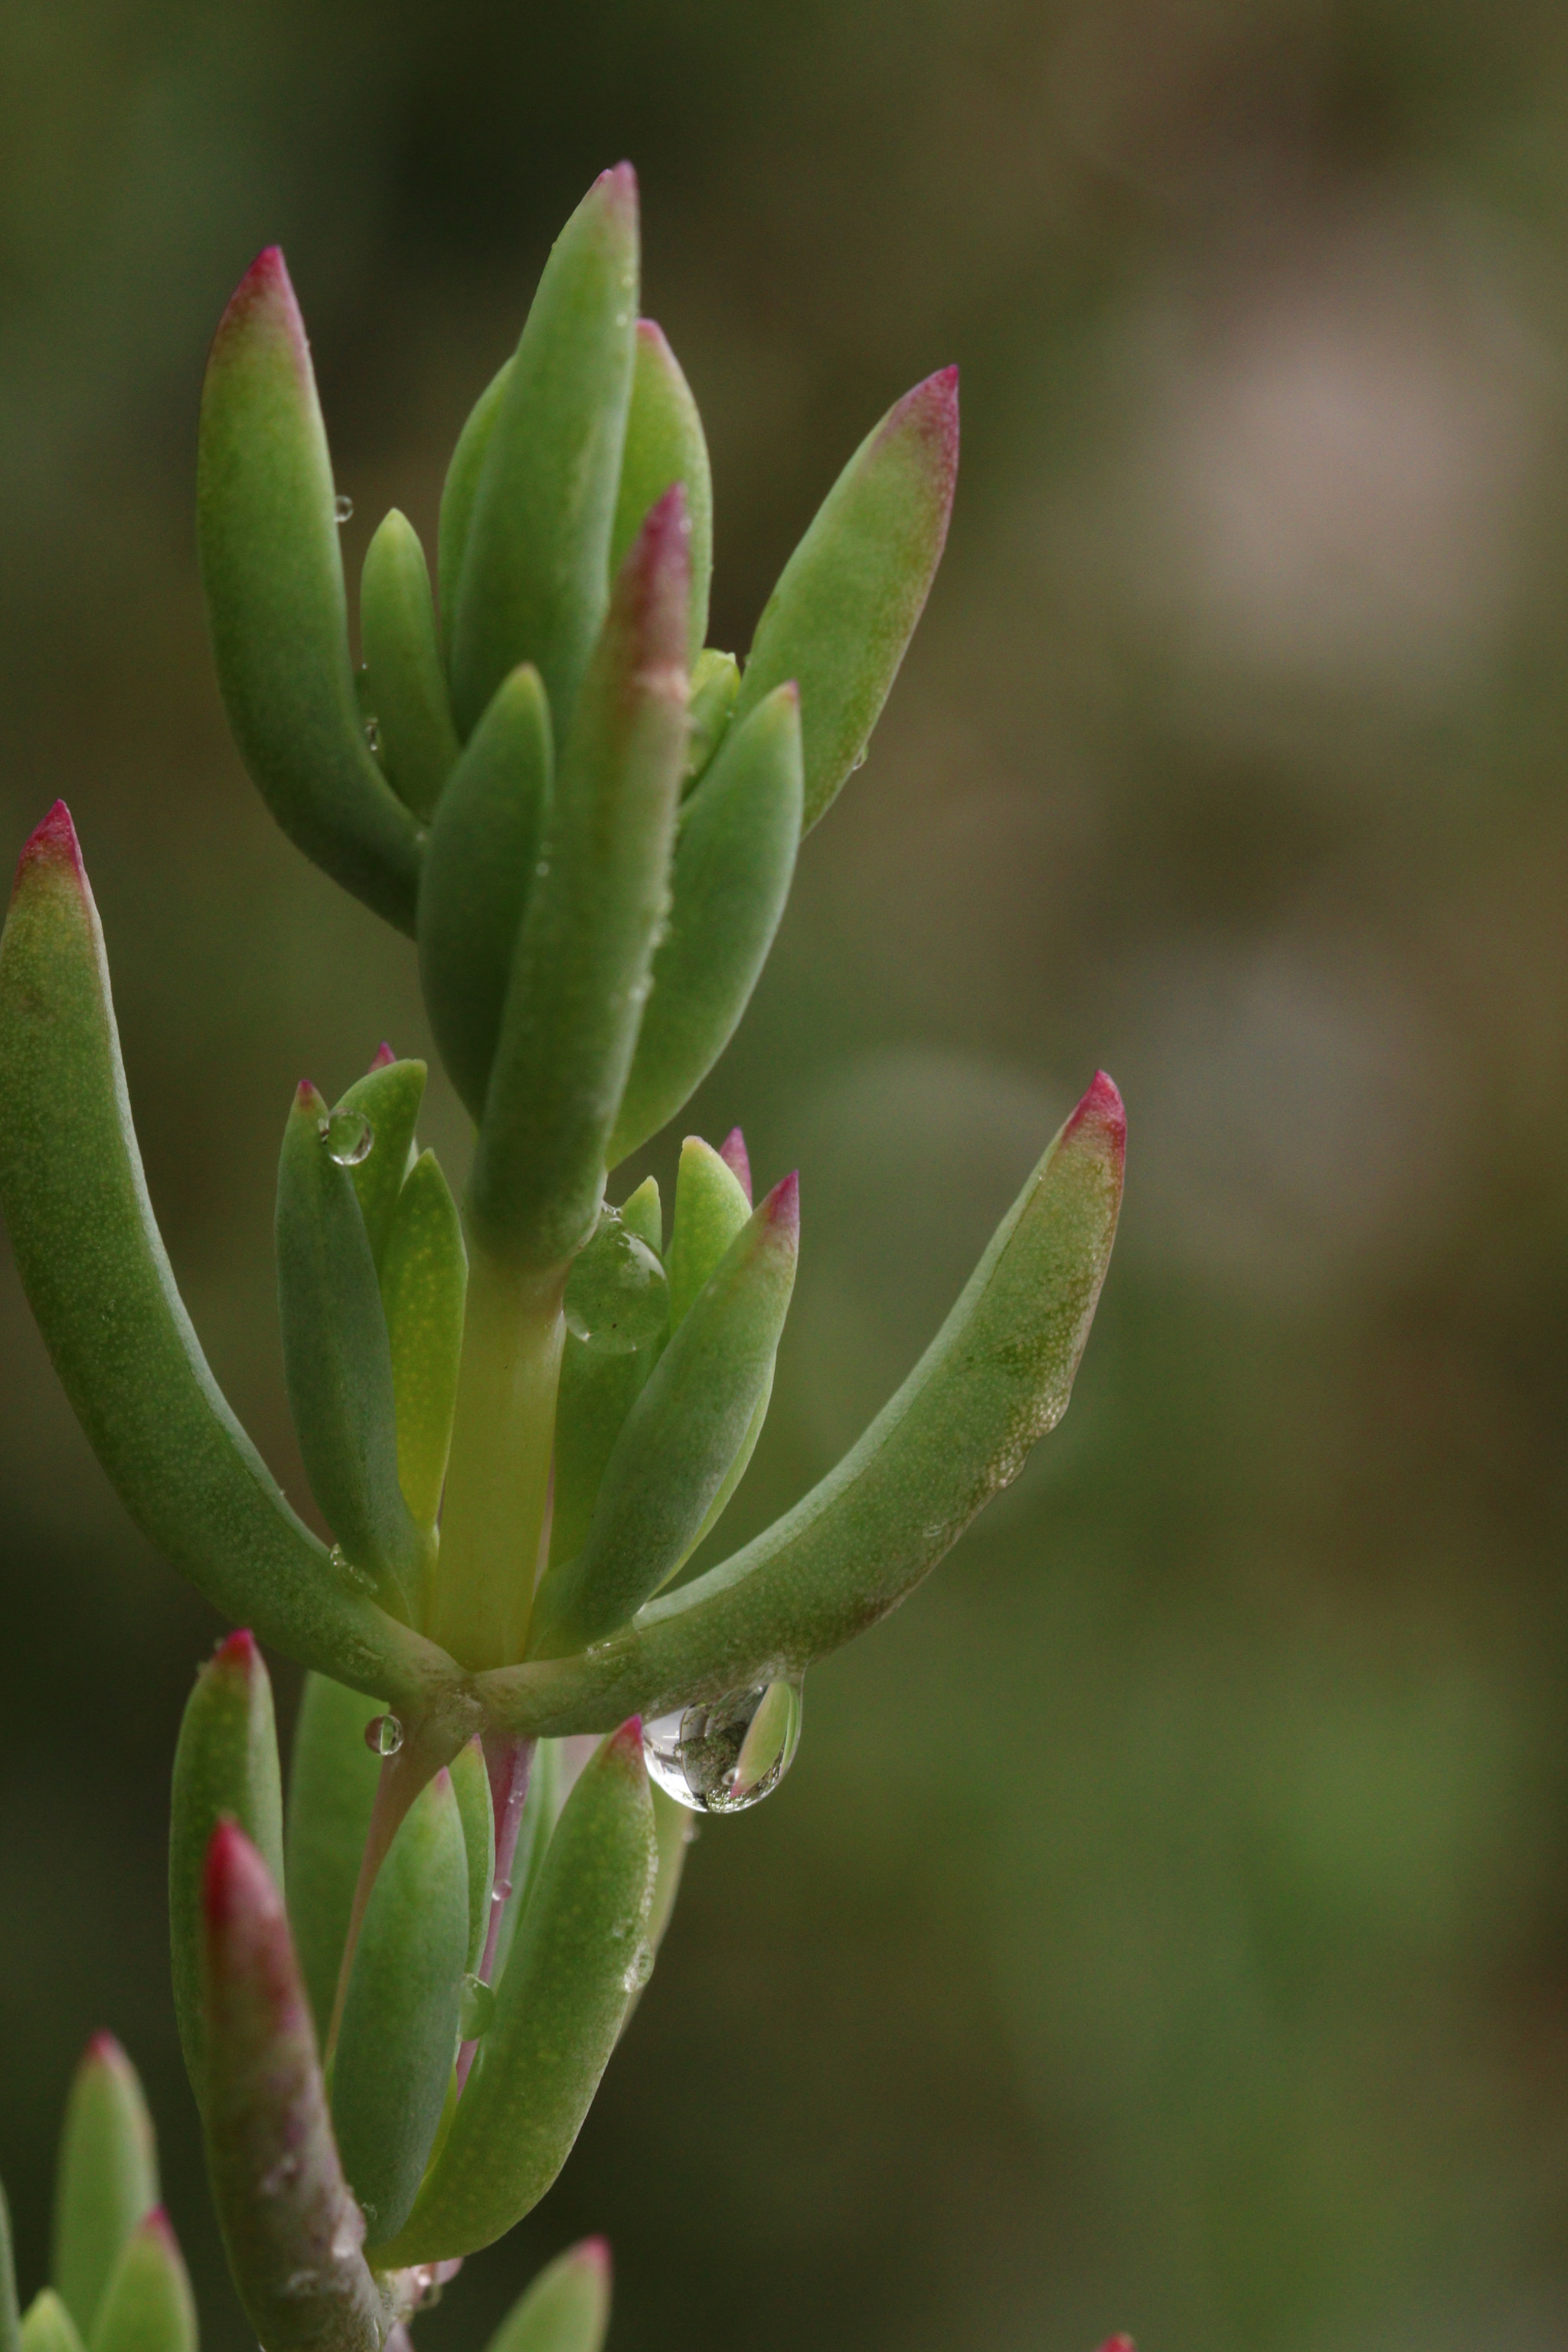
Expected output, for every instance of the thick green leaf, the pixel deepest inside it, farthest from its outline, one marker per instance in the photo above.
(715, 684)
(147, 2305)
(541, 1812)
(617, 1320)
(642, 1214)
(291, 2229)
(998, 1376)
(10, 2310)
(734, 862)
(559, 2007)
(100, 1285)
(680, 1438)
(476, 1808)
(404, 683)
(107, 2179)
(48, 2326)
(424, 1278)
(480, 869)
(536, 571)
(332, 1777)
(673, 1831)
(225, 1765)
(847, 600)
(273, 574)
(665, 445)
(458, 493)
(566, 2309)
(337, 1358)
(388, 1098)
(399, 2032)
(711, 1205)
(580, 973)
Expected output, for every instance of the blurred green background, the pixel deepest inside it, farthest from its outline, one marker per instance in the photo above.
(1165, 1926)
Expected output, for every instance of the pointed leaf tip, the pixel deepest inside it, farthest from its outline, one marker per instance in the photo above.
(596, 2251)
(737, 1159)
(782, 1207)
(264, 287)
(105, 2049)
(1101, 1106)
(235, 1879)
(628, 1738)
(51, 842)
(237, 1649)
(382, 1057)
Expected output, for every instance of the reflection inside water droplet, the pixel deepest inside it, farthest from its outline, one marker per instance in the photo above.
(348, 1135)
(384, 1735)
(479, 2006)
(725, 1754)
(342, 508)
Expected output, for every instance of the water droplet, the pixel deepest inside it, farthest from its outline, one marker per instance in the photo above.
(342, 508)
(501, 1891)
(617, 1297)
(725, 1754)
(857, 761)
(623, 318)
(542, 868)
(372, 733)
(384, 1735)
(478, 2008)
(348, 1135)
(357, 1577)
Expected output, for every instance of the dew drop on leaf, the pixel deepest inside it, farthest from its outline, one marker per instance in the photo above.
(725, 1754)
(384, 1735)
(342, 508)
(348, 1135)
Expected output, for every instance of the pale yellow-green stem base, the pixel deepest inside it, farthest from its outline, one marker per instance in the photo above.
(498, 1480)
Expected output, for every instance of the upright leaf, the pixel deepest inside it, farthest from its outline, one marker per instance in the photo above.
(476, 1809)
(847, 600)
(665, 445)
(99, 1283)
(332, 1777)
(458, 493)
(485, 847)
(734, 862)
(535, 575)
(48, 2326)
(715, 684)
(424, 1279)
(399, 2031)
(580, 973)
(273, 574)
(405, 683)
(573, 1969)
(617, 1318)
(108, 2177)
(566, 2309)
(147, 2305)
(711, 1205)
(387, 1098)
(291, 2229)
(226, 1767)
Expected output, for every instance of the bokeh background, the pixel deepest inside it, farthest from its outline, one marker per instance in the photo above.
(1165, 1926)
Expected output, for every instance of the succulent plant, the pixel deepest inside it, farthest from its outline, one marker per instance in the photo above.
(519, 1418)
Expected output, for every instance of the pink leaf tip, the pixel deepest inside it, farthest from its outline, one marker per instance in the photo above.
(628, 1738)
(236, 1881)
(619, 183)
(237, 1649)
(105, 2051)
(1103, 1108)
(782, 1207)
(595, 2254)
(51, 843)
(929, 412)
(384, 1056)
(1119, 2344)
(737, 1159)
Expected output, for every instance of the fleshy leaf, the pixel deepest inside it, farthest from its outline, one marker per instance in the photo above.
(99, 1284)
(405, 683)
(734, 862)
(536, 570)
(665, 445)
(642, 1214)
(225, 1766)
(388, 1097)
(147, 2305)
(291, 2229)
(48, 2326)
(476, 1807)
(681, 1437)
(273, 574)
(108, 2177)
(399, 2032)
(715, 683)
(480, 869)
(337, 1358)
(617, 1320)
(541, 1812)
(580, 973)
(458, 493)
(332, 1777)
(424, 1278)
(998, 1376)
(558, 2011)
(847, 600)
(710, 1208)
(567, 2307)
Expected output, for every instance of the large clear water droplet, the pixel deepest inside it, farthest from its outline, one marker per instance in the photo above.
(348, 1135)
(384, 1735)
(616, 1295)
(478, 2008)
(724, 1754)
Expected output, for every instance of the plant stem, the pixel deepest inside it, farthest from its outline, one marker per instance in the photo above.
(497, 1483)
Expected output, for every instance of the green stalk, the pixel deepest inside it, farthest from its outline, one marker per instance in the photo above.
(497, 1483)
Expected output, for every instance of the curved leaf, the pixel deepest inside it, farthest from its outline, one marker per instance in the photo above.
(458, 493)
(404, 683)
(332, 1777)
(147, 2305)
(665, 445)
(107, 2180)
(566, 2309)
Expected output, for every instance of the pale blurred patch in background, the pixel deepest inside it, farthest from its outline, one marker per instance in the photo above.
(1165, 1926)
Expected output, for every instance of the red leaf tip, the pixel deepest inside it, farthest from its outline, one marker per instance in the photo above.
(308, 1098)
(157, 2224)
(51, 843)
(235, 1880)
(236, 1649)
(737, 1159)
(1103, 1108)
(930, 409)
(1119, 2344)
(619, 182)
(782, 1207)
(628, 1738)
(595, 2254)
(104, 2050)
(265, 296)
(382, 1057)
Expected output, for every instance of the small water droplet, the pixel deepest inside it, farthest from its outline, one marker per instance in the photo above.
(501, 1891)
(623, 318)
(542, 868)
(372, 733)
(345, 1568)
(348, 1135)
(478, 2008)
(857, 761)
(342, 508)
(384, 1735)
(638, 1969)
(726, 1754)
